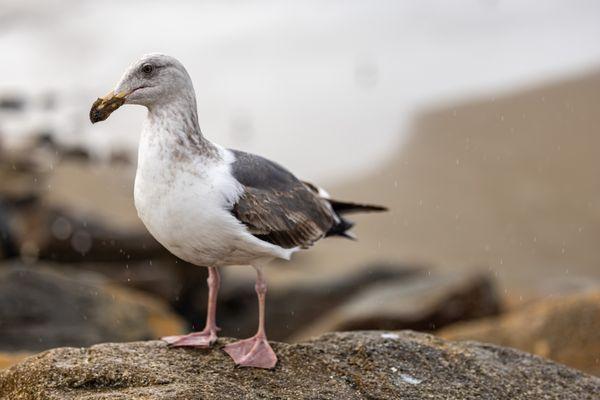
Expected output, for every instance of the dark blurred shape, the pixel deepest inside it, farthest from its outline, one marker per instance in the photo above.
(350, 365)
(17, 193)
(40, 309)
(424, 302)
(121, 157)
(565, 329)
(12, 102)
(76, 153)
(8, 246)
(47, 141)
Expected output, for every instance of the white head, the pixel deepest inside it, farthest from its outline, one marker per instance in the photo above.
(155, 79)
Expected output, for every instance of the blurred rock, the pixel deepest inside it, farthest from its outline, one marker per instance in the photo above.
(121, 157)
(12, 102)
(422, 303)
(290, 306)
(161, 278)
(40, 309)
(174, 281)
(64, 237)
(17, 190)
(48, 233)
(360, 365)
(566, 330)
(20, 177)
(563, 286)
(48, 142)
(10, 359)
(8, 246)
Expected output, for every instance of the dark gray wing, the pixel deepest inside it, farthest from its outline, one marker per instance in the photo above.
(276, 206)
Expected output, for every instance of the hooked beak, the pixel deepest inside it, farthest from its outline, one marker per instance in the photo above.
(104, 106)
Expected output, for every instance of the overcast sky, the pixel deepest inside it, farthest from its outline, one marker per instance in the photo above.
(279, 78)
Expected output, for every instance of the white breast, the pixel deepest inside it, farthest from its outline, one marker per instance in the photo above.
(184, 201)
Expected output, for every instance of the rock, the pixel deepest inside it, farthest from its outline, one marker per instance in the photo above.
(40, 309)
(564, 286)
(121, 157)
(566, 330)
(67, 238)
(49, 233)
(425, 302)
(359, 365)
(20, 177)
(9, 359)
(12, 102)
(174, 281)
(8, 246)
(58, 150)
(17, 191)
(184, 286)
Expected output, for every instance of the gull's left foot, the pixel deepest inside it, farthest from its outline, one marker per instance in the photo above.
(195, 339)
(254, 352)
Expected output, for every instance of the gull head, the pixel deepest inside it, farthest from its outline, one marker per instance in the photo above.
(152, 80)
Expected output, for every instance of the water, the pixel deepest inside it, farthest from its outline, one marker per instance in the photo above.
(327, 88)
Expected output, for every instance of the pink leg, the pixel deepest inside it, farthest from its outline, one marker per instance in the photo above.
(255, 351)
(209, 335)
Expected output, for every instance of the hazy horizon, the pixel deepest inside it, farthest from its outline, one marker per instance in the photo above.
(337, 80)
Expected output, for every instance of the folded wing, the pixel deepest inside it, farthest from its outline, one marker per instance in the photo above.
(276, 206)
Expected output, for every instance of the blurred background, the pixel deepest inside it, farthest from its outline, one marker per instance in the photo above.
(475, 122)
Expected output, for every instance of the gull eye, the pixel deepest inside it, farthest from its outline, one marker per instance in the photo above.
(147, 69)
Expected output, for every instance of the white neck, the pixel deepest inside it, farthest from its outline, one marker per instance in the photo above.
(174, 125)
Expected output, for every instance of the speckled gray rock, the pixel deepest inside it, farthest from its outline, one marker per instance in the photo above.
(356, 365)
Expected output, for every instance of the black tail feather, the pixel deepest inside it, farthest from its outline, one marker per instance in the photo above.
(343, 207)
(342, 228)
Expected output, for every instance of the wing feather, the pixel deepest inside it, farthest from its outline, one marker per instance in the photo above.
(276, 207)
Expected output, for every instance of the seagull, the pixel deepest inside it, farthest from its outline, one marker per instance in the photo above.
(212, 206)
